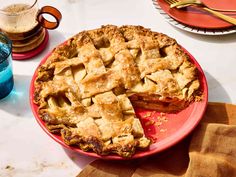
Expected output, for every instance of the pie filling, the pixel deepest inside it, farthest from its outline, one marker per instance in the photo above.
(157, 105)
(87, 87)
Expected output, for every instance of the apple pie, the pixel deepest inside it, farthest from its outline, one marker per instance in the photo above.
(88, 87)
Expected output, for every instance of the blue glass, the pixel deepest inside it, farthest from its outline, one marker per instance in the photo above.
(6, 75)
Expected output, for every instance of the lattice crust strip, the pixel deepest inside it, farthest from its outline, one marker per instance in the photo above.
(85, 88)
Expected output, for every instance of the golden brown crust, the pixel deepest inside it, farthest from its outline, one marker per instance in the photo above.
(85, 88)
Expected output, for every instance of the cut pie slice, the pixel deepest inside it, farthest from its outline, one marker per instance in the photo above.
(87, 88)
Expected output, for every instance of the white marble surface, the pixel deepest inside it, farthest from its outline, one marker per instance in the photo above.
(25, 149)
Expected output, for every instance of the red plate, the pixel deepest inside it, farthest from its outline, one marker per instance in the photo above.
(165, 130)
(196, 17)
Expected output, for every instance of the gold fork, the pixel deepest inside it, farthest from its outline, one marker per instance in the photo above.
(185, 3)
(181, 4)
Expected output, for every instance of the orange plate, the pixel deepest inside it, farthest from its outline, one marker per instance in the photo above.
(165, 130)
(196, 17)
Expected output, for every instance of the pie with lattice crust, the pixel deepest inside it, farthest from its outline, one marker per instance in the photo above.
(87, 87)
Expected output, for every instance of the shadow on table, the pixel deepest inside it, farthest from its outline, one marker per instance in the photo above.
(79, 159)
(229, 38)
(73, 1)
(216, 91)
(55, 38)
(17, 102)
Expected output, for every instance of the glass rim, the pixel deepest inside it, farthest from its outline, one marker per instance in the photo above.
(18, 13)
(9, 43)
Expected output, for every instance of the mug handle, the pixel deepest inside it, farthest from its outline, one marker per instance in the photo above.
(51, 11)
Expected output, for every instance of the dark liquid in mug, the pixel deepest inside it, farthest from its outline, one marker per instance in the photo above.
(16, 8)
(21, 18)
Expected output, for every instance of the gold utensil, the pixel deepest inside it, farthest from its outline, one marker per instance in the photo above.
(185, 3)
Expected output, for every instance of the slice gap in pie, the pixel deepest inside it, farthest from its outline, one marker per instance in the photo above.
(88, 87)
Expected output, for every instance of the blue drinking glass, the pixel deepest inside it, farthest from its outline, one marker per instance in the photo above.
(6, 76)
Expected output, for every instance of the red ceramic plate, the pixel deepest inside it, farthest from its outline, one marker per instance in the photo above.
(196, 17)
(165, 130)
